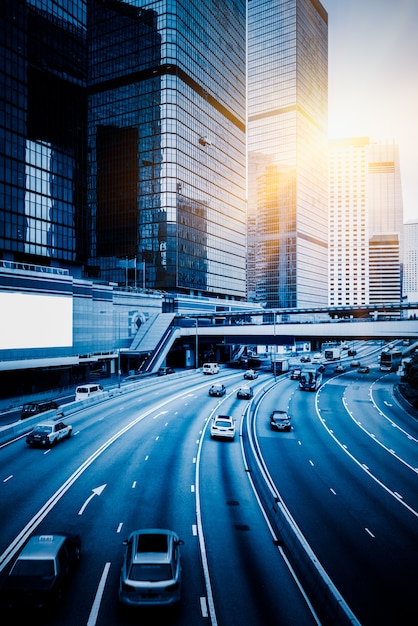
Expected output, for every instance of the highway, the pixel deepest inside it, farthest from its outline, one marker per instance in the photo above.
(347, 473)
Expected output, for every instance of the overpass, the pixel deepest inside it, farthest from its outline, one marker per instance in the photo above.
(288, 333)
(198, 336)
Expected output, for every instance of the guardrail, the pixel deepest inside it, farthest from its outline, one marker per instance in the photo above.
(324, 596)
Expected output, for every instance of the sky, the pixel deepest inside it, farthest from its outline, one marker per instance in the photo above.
(373, 79)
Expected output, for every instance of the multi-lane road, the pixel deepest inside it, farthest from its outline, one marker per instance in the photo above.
(347, 474)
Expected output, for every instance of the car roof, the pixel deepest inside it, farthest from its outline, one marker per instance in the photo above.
(42, 546)
(153, 545)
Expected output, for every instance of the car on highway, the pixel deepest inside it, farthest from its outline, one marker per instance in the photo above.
(295, 374)
(352, 352)
(217, 390)
(164, 371)
(339, 369)
(317, 357)
(250, 375)
(355, 364)
(305, 358)
(151, 569)
(47, 434)
(245, 393)
(40, 573)
(280, 420)
(363, 369)
(222, 427)
(31, 409)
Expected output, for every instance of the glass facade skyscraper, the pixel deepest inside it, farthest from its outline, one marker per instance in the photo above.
(123, 141)
(287, 158)
(43, 99)
(167, 143)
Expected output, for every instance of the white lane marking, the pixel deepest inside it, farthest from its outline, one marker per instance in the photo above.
(8, 478)
(98, 598)
(204, 607)
(119, 528)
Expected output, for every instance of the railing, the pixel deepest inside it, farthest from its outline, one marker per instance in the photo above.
(29, 267)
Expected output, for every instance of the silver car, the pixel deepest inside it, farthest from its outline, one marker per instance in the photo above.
(151, 570)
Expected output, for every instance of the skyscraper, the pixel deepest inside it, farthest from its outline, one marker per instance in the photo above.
(43, 210)
(410, 281)
(124, 141)
(167, 143)
(287, 158)
(366, 227)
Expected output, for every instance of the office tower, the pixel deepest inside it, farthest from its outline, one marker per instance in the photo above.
(167, 144)
(43, 182)
(410, 275)
(365, 227)
(287, 158)
(124, 141)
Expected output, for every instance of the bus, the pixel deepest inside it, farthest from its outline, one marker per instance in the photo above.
(390, 360)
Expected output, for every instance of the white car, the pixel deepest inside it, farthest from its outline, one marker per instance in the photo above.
(48, 434)
(222, 427)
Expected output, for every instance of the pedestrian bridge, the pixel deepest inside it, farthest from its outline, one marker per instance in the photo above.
(288, 333)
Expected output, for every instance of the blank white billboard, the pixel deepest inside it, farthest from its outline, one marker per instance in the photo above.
(35, 321)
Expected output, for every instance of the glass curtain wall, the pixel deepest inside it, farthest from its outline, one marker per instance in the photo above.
(43, 131)
(287, 162)
(167, 144)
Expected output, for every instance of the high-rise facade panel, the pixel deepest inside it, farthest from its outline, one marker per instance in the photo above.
(287, 161)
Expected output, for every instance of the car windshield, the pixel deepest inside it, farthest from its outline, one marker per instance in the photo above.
(42, 429)
(30, 567)
(150, 572)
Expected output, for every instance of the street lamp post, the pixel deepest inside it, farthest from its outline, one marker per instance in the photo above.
(196, 360)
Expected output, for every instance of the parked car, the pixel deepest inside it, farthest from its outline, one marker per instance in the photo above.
(250, 375)
(305, 358)
(295, 374)
(245, 393)
(339, 369)
(217, 390)
(33, 408)
(280, 420)
(47, 434)
(151, 569)
(164, 371)
(363, 369)
(40, 573)
(222, 427)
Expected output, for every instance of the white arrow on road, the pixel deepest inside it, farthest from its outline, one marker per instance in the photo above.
(96, 492)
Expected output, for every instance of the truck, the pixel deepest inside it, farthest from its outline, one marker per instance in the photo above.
(279, 365)
(310, 379)
(332, 354)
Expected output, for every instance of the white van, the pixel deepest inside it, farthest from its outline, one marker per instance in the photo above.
(210, 368)
(83, 392)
